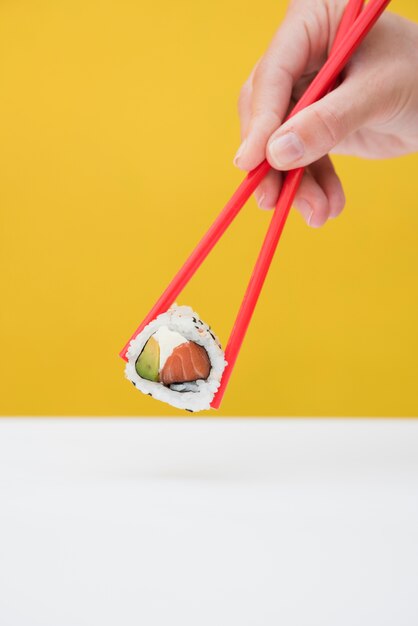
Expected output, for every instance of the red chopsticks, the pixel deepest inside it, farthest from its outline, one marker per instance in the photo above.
(320, 85)
(287, 195)
(205, 245)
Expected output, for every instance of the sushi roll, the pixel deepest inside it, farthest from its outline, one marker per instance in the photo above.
(177, 359)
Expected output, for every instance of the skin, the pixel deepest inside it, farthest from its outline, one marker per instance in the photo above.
(373, 113)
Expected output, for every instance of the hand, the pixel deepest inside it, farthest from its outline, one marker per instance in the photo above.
(373, 113)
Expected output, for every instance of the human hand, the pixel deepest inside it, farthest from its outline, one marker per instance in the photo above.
(373, 113)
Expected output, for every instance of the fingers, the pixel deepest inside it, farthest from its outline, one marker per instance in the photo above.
(244, 105)
(265, 112)
(316, 130)
(312, 202)
(326, 177)
(267, 193)
(320, 195)
(265, 97)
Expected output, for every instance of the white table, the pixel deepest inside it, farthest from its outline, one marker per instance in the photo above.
(202, 522)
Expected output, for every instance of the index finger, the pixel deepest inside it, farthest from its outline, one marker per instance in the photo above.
(299, 43)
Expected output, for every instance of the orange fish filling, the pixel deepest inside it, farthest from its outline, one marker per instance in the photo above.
(188, 362)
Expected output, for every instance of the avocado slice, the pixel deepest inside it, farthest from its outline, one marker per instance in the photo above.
(148, 363)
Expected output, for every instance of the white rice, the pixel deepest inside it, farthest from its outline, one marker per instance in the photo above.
(185, 321)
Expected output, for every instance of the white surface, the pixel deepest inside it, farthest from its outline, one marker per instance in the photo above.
(199, 522)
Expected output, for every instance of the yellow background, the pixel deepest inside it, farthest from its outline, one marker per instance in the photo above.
(118, 126)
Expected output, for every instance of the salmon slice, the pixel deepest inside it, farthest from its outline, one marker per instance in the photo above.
(187, 362)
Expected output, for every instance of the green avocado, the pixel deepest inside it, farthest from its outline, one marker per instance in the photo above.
(148, 363)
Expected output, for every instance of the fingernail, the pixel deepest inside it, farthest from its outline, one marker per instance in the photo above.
(286, 149)
(239, 153)
(260, 200)
(305, 210)
(314, 222)
(311, 214)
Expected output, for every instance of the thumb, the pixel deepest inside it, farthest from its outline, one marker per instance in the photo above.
(316, 130)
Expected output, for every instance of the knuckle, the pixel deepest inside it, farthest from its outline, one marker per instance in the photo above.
(258, 75)
(265, 117)
(263, 73)
(330, 123)
(272, 70)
